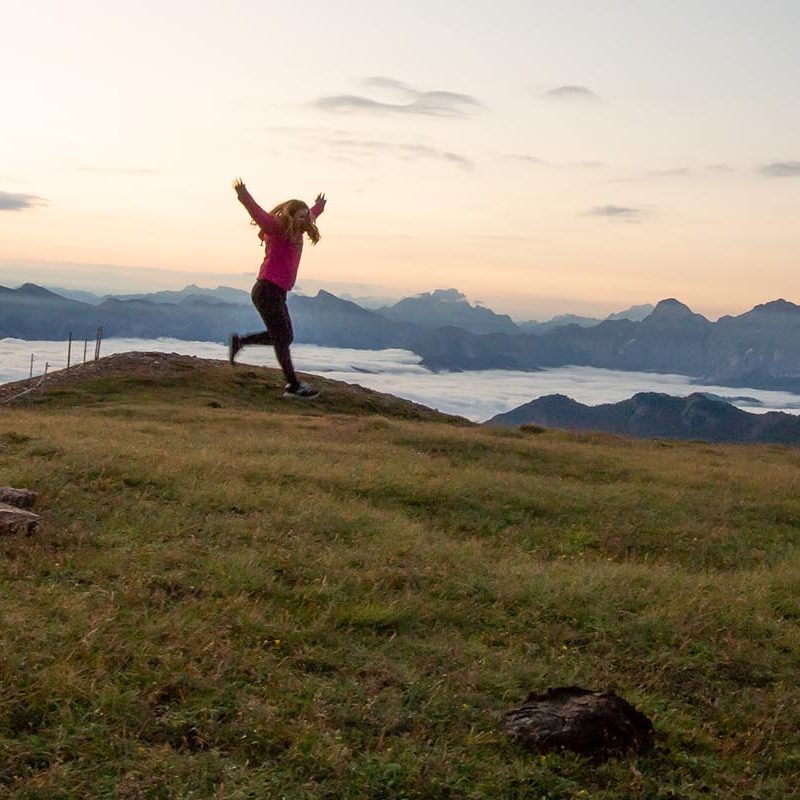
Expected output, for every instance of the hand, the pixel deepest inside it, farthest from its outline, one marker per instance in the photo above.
(321, 199)
(239, 187)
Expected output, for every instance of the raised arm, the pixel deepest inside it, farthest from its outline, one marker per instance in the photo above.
(265, 221)
(319, 206)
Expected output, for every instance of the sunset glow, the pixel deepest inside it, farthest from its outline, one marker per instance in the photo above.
(541, 157)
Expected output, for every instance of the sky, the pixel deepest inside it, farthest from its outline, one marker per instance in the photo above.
(580, 156)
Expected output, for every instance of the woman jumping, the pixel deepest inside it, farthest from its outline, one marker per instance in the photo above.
(281, 231)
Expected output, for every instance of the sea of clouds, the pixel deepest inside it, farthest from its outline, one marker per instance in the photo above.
(476, 395)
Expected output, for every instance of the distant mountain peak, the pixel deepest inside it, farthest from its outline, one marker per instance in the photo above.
(671, 306)
(655, 414)
(328, 300)
(673, 312)
(446, 295)
(635, 313)
(443, 307)
(34, 289)
(778, 306)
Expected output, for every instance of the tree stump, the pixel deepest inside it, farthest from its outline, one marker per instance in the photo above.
(597, 724)
(21, 498)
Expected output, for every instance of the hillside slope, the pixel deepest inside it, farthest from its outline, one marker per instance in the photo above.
(239, 596)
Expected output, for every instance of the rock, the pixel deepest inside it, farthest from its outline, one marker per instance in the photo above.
(13, 519)
(21, 498)
(597, 724)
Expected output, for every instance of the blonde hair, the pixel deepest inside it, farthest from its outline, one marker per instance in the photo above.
(293, 227)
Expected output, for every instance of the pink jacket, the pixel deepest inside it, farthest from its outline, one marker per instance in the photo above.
(283, 255)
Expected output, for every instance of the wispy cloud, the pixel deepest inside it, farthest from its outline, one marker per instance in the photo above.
(675, 172)
(781, 169)
(523, 159)
(696, 172)
(536, 161)
(341, 145)
(14, 201)
(571, 92)
(411, 101)
(618, 213)
(406, 151)
(586, 164)
(118, 171)
(382, 82)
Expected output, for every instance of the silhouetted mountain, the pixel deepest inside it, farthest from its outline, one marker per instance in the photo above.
(670, 339)
(760, 345)
(654, 415)
(760, 348)
(32, 312)
(559, 321)
(635, 313)
(77, 294)
(448, 307)
(225, 294)
(328, 320)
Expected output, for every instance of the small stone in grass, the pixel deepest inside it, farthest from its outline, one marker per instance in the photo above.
(14, 520)
(597, 724)
(21, 498)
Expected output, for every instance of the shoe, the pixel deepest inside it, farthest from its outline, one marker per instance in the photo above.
(302, 391)
(234, 346)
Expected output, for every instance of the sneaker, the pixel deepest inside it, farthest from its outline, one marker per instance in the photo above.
(302, 391)
(234, 346)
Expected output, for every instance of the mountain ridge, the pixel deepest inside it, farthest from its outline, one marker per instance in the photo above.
(658, 415)
(760, 347)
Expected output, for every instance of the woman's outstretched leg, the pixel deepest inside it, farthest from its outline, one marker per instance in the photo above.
(236, 342)
(262, 337)
(264, 300)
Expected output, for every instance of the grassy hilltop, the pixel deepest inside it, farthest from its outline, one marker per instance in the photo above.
(237, 596)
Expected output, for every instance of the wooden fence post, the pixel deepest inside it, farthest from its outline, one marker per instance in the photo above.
(97, 343)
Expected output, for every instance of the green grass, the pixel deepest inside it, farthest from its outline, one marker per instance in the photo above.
(233, 596)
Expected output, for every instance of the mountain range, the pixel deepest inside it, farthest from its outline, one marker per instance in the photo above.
(760, 348)
(655, 415)
(428, 309)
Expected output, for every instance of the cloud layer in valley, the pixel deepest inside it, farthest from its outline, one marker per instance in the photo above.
(476, 395)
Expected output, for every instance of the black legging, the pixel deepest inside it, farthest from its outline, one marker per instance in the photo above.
(270, 302)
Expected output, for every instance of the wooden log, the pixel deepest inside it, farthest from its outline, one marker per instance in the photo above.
(597, 724)
(21, 498)
(15, 520)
